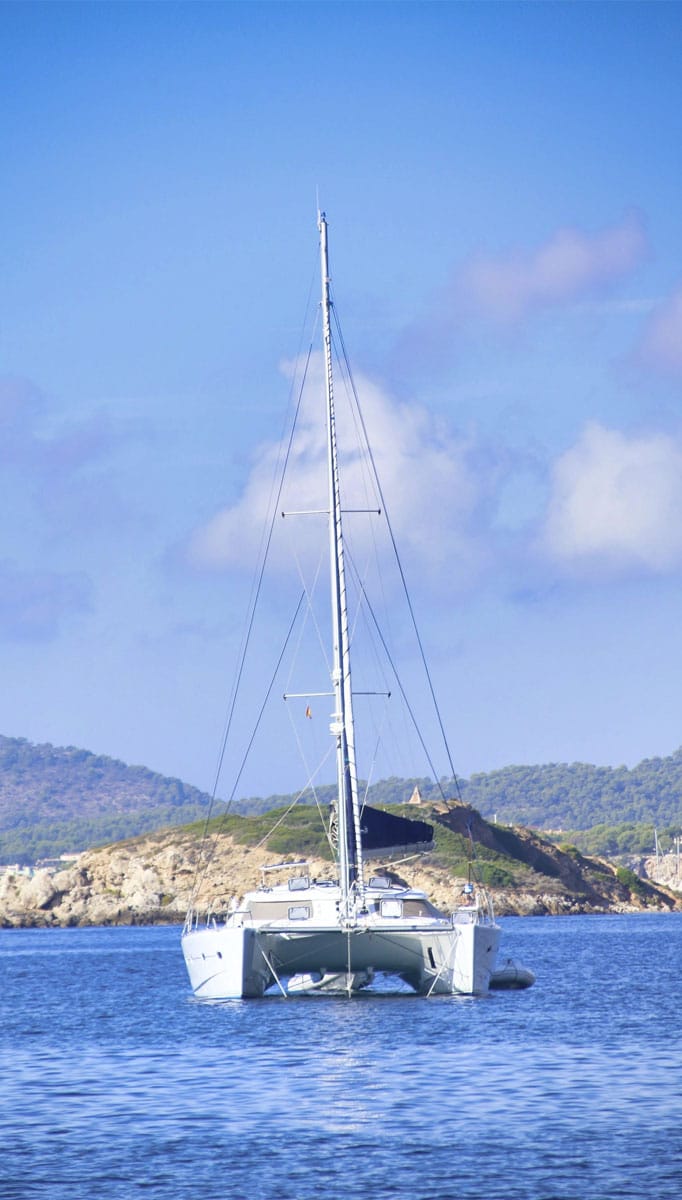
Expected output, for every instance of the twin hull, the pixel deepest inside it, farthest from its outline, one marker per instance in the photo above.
(233, 960)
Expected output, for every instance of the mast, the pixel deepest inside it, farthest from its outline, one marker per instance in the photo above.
(342, 727)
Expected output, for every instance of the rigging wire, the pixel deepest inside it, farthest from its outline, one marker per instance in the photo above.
(372, 503)
(398, 680)
(311, 782)
(279, 473)
(257, 590)
(266, 536)
(309, 593)
(293, 804)
(400, 567)
(267, 697)
(251, 615)
(370, 769)
(199, 878)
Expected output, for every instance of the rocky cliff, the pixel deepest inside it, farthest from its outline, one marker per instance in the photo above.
(666, 871)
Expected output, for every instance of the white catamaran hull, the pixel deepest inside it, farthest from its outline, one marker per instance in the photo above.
(233, 962)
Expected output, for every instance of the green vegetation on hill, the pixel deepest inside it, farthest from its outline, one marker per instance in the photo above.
(578, 796)
(55, 800)
(615, 841)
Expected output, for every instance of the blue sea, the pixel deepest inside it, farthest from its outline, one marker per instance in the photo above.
(115, 1083)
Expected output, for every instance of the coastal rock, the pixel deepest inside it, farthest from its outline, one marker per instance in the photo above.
(40, 890)
(665, 870)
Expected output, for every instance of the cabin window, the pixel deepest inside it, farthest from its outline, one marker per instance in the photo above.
(270, 910)
(299, 912)
(391, 908)
(300, 883)
(420, 908)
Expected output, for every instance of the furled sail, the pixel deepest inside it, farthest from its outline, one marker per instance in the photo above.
(384, 832)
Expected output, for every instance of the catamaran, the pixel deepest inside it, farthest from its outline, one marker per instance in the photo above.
(299, 934)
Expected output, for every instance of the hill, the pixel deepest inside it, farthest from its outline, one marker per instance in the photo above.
(60, 799)
(578, 796)
(55, 800)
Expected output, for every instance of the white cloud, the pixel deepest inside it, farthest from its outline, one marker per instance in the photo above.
(616, 503)
(662, 340)
(568, 266)
(431, 489)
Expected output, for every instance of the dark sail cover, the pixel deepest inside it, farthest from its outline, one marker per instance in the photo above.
(384, 831)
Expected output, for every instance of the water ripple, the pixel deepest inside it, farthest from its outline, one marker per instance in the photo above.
(116, 1084)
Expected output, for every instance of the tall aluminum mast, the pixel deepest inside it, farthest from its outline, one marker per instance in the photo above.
(342, 727)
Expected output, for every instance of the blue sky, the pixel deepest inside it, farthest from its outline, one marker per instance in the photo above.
(503, 188)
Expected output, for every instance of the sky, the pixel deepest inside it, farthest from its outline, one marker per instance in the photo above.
(503, 187)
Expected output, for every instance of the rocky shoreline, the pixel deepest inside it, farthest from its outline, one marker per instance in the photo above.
(151, 880)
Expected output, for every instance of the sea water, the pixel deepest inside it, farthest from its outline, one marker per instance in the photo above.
(115, 1083)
